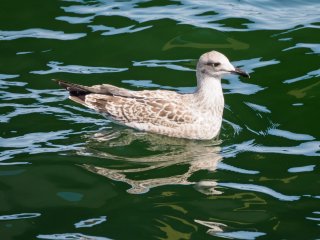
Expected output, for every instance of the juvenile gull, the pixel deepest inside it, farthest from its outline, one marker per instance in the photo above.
(196, 115)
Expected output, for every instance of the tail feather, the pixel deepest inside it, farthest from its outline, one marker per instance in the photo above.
(77, 92)
(73, 88)
(106, 89)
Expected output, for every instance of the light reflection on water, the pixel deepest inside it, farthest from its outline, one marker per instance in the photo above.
(311, 148)
(216, 229)
(39, 33)
(258, 14)
(197, 155)
(67, 236)
(58, 67)
(90, 222)
(269, 144)
(19, 216)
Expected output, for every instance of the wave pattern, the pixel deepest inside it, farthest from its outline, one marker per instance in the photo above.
(68, 173)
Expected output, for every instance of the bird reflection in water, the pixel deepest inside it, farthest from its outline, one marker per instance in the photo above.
(165, 152)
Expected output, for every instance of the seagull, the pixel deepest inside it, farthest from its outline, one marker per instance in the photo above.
(196, 115)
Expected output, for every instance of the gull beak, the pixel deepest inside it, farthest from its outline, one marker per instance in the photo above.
(240, 72)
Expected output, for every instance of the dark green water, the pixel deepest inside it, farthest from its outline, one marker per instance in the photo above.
(67, 173)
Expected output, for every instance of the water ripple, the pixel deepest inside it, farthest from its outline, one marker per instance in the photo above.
(115, 31)
(32, 138)
(68, 236)
(220, 230)
(311, 148)
(90, 222)
(34, 143)
(236, 128)
(6, 84)
(7, 76)
(315, 48)
(19, 216)
(57, 67)
(309, 75)
(75, 20)
(246, 235)
(261, 189)
(39, 33)
(257, 107)
(235, 85)
(170, 64)
(258, 14)
(195, 156)
(308, 168)
(290, 135)
(228, 167)
(316, 219)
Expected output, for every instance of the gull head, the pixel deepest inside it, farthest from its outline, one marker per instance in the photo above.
(215, 64)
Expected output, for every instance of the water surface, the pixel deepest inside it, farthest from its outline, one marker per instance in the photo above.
(68, 173)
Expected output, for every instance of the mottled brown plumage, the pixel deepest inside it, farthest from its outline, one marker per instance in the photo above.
(194, 116)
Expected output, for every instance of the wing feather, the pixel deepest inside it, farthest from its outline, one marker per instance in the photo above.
(154, 111)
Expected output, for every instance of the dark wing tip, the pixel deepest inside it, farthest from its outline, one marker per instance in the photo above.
(62, 83)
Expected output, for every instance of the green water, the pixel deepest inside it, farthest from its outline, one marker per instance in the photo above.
(68, 173)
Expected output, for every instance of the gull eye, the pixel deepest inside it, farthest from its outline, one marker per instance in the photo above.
(216, 64)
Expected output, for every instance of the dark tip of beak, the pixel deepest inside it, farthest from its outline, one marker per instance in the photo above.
(240, 72)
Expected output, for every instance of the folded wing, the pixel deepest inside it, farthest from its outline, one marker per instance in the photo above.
(134, 111)
(139, 109)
